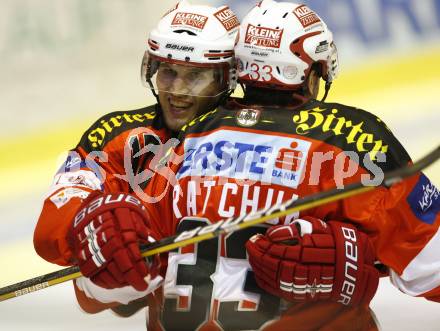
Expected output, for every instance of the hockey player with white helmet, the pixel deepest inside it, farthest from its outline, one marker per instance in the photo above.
(283, 51)
(91, 217)
(312, 270)
(189, 61)
(286, 47)
(282, 44)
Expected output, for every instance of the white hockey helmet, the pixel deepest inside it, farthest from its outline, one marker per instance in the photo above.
(279, 42)
(193, 36)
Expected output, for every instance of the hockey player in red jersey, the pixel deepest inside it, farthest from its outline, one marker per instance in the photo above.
(309, 271)
(101, 231)
(313, 270)
(402, 221)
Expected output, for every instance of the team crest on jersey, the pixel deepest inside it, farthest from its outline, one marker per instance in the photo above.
(248, 117)
(190, 20)
(244, 155)
(424, 200)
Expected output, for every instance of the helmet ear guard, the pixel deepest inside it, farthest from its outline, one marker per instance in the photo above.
(329, 70)
(332, 64)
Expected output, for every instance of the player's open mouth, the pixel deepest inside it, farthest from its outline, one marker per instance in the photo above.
(178, 107)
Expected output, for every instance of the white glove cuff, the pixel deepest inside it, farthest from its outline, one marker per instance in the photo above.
(121, 295)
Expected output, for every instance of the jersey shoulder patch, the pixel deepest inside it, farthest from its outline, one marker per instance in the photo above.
(113, 124)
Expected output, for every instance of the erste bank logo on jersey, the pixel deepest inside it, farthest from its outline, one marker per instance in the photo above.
(245, 156)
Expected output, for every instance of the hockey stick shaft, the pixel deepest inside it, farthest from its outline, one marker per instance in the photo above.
(283, 209)
(226, 226)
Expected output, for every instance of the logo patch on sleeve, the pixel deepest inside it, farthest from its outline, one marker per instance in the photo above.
(424, 200)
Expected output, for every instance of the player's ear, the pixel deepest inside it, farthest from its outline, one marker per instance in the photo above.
(312, 84)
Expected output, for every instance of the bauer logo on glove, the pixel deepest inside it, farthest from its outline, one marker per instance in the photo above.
(105, 200)
(105, 237)
(310, 260)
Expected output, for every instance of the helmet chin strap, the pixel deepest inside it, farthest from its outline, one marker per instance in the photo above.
(150, 83)
(328, 85)
(224, 98)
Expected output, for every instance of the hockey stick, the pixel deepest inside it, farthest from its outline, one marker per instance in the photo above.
(232, 224)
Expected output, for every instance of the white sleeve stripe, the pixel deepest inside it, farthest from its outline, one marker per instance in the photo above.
(422, 274)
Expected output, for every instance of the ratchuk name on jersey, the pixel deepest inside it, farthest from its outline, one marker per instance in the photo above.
(243, 155)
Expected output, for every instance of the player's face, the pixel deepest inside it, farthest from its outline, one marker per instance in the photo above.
(186, 92)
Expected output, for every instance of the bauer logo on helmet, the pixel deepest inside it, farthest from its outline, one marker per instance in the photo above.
(183, 48)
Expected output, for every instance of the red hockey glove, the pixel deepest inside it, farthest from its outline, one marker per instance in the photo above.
(105, 237)
(311, 260)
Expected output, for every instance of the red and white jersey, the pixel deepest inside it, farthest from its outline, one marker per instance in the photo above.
(238, 159)
(105, 159)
